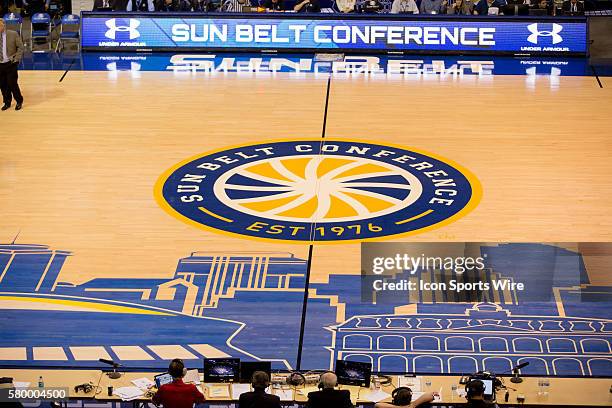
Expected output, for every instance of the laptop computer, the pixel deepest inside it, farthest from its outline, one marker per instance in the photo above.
(162, 379)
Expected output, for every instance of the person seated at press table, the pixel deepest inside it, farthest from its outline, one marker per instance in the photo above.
(309, 6)
(433, 6)
(475, 396)
(482, 7)
(573, 8)
(461, 7)
(404, 7)
(274, 5)
(328, 396)
(177, 394)
(258, 398)
(403, 399)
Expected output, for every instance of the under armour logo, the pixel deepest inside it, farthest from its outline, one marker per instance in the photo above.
(535, 33)
(131, 28)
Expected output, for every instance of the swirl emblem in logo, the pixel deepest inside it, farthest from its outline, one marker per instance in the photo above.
(306, 190)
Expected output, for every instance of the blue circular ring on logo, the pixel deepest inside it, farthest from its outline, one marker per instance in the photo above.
(318, 191)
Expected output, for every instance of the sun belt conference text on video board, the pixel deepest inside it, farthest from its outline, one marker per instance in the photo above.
(332, 34)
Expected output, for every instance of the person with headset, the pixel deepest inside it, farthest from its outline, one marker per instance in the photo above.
(258, 398)
(177, 394)
(328, 396)
(474, 392)
(402, 398)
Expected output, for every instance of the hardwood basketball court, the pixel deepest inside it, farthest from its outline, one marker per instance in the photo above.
(79, 166)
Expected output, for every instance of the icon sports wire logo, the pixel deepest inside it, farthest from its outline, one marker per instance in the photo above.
(536, 33)
(131, 28)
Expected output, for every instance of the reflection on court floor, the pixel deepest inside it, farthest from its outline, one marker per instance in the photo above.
(379, 66)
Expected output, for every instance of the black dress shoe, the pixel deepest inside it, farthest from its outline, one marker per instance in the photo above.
(5, 107)
(18, 106)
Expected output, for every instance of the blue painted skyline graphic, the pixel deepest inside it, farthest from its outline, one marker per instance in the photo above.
(248, 305)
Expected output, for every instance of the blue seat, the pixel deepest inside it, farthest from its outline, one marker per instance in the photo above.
(69, 31)
(14, 21)
(41, 28)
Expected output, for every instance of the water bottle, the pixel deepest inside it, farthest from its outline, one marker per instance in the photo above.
(41, 383)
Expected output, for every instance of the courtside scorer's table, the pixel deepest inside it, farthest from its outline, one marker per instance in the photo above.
(562, 392)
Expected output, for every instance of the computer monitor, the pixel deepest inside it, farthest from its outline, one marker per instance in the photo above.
(247, 368)
(218, 370)
(353, 373)
(162, 379)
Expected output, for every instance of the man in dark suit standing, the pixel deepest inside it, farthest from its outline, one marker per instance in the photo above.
(11, 52)
(328, 396)
(258, 398)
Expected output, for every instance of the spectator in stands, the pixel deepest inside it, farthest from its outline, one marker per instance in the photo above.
(433, 6)
(371, 6)
(258, 398)
(543, 5)
(235, 6)
(167, 5)
(274, 5)
(461, 7)
(346, 6)
(309, 6)
(475, 395)
(202, 6)
(103, 5)
(135, 5)
(403, 399)
(177, 394)
(404, 7)
(573, 8)
(482, 7)
(36, 6)
(329, 397)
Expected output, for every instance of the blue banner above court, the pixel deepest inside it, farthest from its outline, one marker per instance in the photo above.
(293, 32)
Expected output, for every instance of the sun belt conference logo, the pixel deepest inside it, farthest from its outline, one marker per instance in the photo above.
(306, 190)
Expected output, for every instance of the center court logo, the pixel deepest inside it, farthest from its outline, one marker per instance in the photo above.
(306, 190)
(131, 28)
(536, 33)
